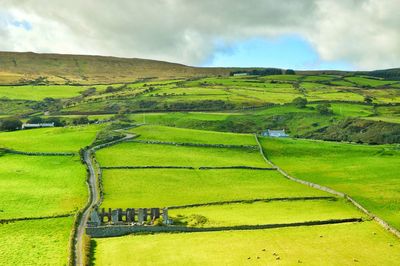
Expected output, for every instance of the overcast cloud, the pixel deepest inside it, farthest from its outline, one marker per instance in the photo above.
(364, 33)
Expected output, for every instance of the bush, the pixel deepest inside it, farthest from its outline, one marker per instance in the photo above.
(290, 72)
(324, 109)
(300, 102)
(10, 124)
(197, 220)
(80, 120)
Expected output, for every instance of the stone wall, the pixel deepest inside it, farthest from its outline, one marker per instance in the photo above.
(120, 230)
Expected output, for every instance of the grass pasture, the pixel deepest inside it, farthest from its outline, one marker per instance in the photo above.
(66, 139)
(138, 154)
(369, 174)
(274, 212)
(342, 244)
(171, 187)
(37, 242)
(162, 133)
(38, 93)
(32, 186)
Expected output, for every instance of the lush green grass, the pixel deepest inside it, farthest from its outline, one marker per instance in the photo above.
(132, 153)
(163, 133)
(32, 186)
(181, 118)
(367, 173)
(39, 242)
(388, 114)
(342, 83)
(166, 187)
(350, 109)
(363, 81)
(283, 77)
(344, 244)
(268, 212)
(67, 139)
(37, 93)
(320, 78)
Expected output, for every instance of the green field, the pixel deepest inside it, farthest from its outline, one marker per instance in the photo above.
(367, 173)
(38, 93)
(32, 186)
(167, 187)
(39, 242)
(67, 139)
(345, 244)
(162, 133)
(274, 212)
(138, 154)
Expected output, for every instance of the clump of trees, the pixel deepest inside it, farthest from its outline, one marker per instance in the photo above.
(300, 102)
(10, 124)
(259, 72)
(324, 109)
(80, 120)
(368, 99)
(290, 72)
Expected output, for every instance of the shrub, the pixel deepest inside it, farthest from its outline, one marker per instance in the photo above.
(324, 109)
(10, 124)
(300, 102)
(197, 220)
(290, 72)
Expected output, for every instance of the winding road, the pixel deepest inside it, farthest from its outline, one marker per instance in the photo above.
(93, 199)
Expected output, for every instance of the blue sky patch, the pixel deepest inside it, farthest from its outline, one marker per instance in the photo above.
(289, 51)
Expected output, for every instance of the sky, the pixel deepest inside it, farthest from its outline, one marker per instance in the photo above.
(306, 34)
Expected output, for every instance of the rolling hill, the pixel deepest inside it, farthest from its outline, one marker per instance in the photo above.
(84, 69)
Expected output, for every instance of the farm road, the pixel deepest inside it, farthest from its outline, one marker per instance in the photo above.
(93, 200)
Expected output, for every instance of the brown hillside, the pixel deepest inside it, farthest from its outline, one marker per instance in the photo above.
(85, 69)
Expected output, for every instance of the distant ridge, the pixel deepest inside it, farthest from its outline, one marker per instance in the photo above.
(88, 69)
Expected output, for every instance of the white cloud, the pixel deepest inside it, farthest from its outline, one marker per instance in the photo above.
(361, 32)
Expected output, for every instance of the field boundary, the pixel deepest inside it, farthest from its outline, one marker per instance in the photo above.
(187, 167)
(39, 153)
(12, 220)
(110, 231)
(251, 201)
(380, 221)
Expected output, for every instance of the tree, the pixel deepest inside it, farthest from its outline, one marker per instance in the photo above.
(324, 109)
(290, 72)
(35, 120)
(368, 99)
(80, 120)
(56, 120)
(10, 124)
(300, 102)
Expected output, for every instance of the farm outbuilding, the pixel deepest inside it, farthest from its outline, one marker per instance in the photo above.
(274, 133)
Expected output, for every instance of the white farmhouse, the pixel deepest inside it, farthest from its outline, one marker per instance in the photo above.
(25, 126)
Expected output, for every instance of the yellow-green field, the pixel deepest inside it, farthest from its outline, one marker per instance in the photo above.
(345, 244)
(37, 242)
(66, 139)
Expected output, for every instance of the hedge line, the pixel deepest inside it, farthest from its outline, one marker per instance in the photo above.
(252, 201)
(109, 231)
(195, 144)
(6, 221)
(147, 167)
(186, 167)
(39, 153)
(235, 167)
